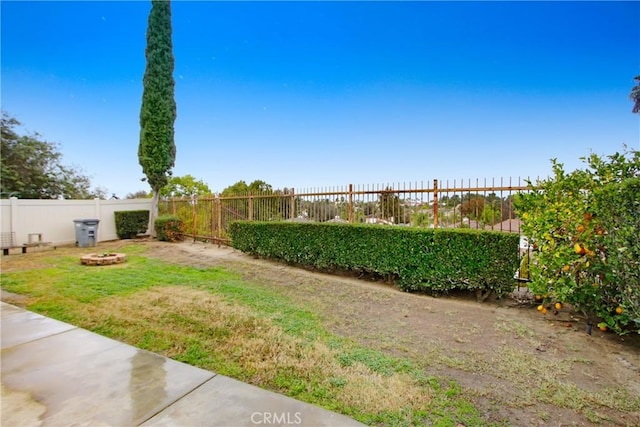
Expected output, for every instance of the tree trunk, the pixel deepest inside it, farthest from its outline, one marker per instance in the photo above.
(481, 296)
(153, 214)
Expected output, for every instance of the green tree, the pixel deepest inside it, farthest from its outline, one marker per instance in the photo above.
(618, 208)
(635, 96)
(140, 194)
(31, 168)
(507, 208)
(241, 188)
(584, 224)
(283, 203)
(184, 186)
(322, 210)
(450, 201)
(157, 150)
(490, 215)
(368, 208)
(390, 206)
(472, 206)
(100, 193)
(260, 187)
(422, 218)
(262, 209)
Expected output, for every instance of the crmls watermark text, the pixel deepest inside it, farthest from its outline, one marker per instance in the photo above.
(267, 418)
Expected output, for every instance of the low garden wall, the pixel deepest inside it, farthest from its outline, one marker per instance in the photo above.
(53, 219)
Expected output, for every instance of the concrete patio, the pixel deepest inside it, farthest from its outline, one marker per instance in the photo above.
(56, 374)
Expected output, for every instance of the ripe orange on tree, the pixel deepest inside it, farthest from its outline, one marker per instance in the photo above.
(619, 310)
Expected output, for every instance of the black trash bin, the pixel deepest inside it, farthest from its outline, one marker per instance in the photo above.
(86, 232)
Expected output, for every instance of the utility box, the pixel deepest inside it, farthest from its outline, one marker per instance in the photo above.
(86, 232)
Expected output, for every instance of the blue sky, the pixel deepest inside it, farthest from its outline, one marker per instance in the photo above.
(314, 94)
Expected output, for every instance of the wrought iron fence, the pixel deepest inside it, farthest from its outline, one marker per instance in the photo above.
(457, 203)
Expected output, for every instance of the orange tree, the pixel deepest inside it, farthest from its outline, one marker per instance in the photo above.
(585, 227)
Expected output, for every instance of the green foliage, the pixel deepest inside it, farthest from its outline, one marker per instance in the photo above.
(584, 225)
(157, 150)
(169, 228)
(131, 223)
(140, 194)
(450, 201)
(196, 217)
(618, 212)
(417, 259)
(422, 218)
(523, 271)
(321, 210)
(184, 186)
(31, 168)
(239, 205)
(390, 206)
(490, 215)
(60, 281)
(472, 207)
(635, 96)
(64, 290)
(241, 188)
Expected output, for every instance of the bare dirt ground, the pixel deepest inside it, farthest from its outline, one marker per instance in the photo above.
(517, 365)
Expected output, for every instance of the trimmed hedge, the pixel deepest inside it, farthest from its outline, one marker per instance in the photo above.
(131, 223)
(169, 228)
(416, 259)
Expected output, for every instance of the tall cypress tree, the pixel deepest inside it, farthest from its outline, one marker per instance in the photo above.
(157, 150)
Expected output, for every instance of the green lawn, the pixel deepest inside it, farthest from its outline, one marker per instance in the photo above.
(212, 319)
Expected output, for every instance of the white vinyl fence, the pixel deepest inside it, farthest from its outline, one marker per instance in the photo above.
(54, 219)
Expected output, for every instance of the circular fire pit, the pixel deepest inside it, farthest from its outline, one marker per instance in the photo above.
(106, 258)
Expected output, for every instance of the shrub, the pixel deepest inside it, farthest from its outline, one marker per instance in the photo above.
(416, 259)
(169, 228)
(618, 209)
(131, 223)
(585, 227)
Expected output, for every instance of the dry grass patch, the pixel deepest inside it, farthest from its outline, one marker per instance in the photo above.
(230, 339)
(377, 392)
(539, 379)
(528, 378)
(296, 332)
(514, 328)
